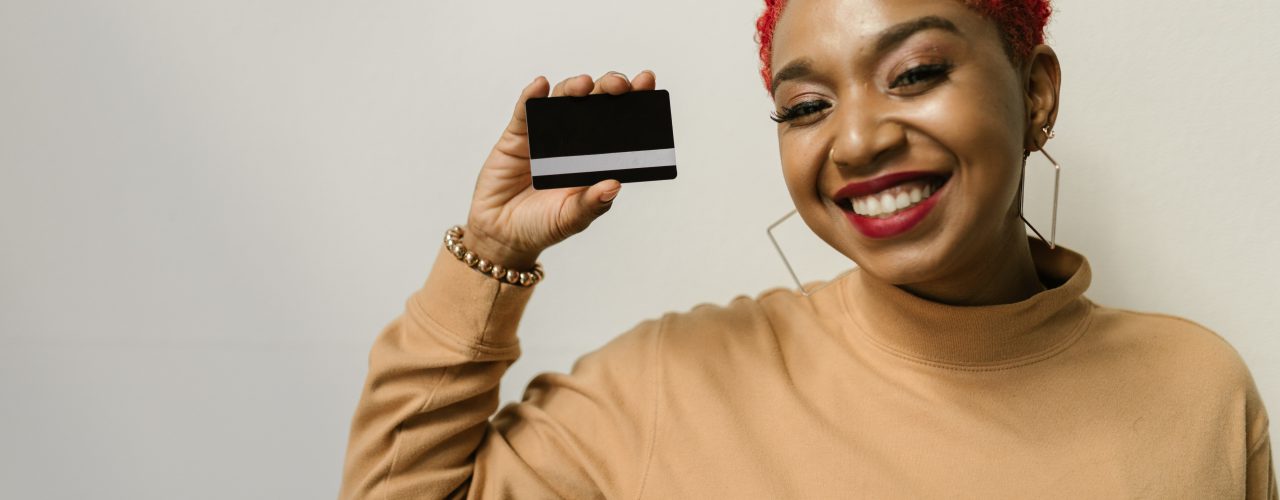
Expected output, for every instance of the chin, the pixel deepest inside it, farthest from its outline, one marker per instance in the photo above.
(916, 262)
(899, 263)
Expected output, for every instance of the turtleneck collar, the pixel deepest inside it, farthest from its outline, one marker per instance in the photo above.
(976, 336)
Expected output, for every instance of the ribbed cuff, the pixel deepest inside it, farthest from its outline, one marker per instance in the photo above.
(480, 310)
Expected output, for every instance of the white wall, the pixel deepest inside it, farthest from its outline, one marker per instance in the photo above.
(208, 209)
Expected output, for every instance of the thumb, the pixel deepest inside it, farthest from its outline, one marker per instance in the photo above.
(537, 88)
(591, 203)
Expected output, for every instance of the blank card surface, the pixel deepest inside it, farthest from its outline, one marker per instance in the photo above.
(581, 140)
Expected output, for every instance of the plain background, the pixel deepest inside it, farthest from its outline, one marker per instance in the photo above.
(208, 209)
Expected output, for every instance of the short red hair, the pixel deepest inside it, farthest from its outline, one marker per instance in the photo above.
(1021, 24)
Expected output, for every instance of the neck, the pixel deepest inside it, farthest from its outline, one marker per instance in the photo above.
(1008, 276)
(976, 336)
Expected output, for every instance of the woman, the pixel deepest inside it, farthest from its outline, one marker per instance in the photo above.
(960, 358)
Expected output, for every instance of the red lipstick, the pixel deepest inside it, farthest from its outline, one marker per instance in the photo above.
(901, 222)
(881, 183)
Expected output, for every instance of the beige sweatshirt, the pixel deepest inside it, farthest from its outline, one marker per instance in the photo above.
(861, 390)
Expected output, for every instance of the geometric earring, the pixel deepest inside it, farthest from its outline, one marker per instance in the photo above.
(785, 262)
(1057, 170)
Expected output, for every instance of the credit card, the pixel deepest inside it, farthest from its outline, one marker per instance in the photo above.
(582, 140)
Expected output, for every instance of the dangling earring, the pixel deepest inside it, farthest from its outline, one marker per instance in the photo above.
(1053, 230)
(787, 263)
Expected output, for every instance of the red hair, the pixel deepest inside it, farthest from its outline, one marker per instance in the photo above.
(1021, 24)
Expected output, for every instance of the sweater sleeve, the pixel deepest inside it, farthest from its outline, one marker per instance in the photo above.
(422, 426)
(1260, 474)
(1261, 471)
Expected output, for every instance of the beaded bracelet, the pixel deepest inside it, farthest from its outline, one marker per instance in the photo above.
(453, 242)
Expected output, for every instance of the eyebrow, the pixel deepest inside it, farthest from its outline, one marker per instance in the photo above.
(885, 41)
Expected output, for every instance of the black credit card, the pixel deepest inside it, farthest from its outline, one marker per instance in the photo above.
(582, 140)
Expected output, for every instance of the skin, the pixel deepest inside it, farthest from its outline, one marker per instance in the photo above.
(974, 121)
(510, 223)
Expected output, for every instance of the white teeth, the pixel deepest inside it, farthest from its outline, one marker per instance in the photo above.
(887, 204)
(893, 199)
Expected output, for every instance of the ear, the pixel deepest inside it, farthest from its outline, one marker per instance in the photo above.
(1042, 82)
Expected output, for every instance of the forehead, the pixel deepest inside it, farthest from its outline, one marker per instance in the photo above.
(821, 28)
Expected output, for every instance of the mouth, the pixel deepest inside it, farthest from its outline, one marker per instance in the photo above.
(891, 204)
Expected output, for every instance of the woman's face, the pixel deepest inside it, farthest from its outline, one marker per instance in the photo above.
(893, 87)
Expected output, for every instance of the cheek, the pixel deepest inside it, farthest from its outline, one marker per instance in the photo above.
(802, 160)
(981, 129)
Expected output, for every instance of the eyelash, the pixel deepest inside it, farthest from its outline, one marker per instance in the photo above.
(808, 107)
(923, 72)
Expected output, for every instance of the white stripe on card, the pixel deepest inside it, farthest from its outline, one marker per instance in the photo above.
(607, 161)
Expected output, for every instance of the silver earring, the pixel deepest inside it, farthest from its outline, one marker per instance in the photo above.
(1053, 230)
(787, 263)
(769, 231)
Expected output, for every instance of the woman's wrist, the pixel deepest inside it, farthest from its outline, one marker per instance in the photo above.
(497, 253)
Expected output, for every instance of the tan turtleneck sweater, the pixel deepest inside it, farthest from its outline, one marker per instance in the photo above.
(861, 390)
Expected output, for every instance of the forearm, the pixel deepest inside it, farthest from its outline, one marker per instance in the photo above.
(432, 385)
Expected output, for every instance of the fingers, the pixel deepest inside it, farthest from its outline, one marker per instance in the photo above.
(589, 204)
(613, 83)
(603, 192)
(573, 86)
(536, 88)
(645, 80)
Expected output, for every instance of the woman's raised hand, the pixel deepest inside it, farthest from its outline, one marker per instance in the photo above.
(511, 223)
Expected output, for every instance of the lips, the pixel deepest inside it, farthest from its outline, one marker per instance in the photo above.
(882, 183)
(894, 222)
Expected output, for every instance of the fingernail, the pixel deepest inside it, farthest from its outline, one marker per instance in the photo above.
(607, 196)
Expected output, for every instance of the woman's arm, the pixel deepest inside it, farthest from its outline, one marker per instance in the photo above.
(422, 428)
(1261, 480)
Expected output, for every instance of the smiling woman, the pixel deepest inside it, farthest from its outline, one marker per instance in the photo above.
(913, 97)
(960, 358)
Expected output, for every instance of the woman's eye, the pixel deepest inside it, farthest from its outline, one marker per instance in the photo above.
(921, 73)
(799, 110)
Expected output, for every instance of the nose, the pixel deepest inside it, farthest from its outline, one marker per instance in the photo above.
(865, 135)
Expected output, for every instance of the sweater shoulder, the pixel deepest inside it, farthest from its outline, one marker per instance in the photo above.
(1172, 341)
(705, 331)
(1162, 329)
(740, 312)
(743, 319)
(1183, 354)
